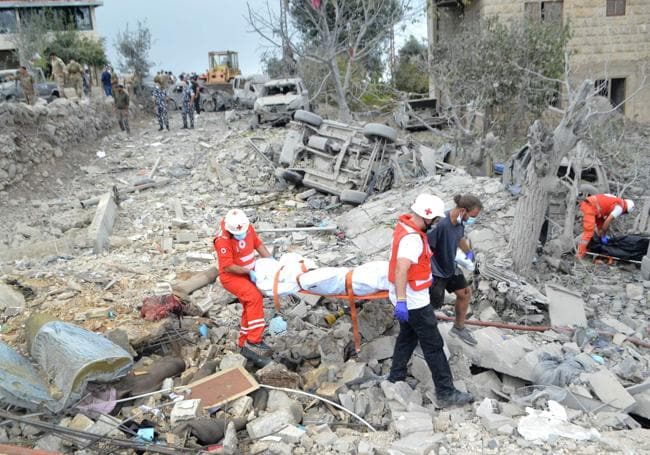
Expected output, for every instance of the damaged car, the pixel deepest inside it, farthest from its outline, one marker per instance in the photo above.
(418, 114)
(348, 161)
(280, 99)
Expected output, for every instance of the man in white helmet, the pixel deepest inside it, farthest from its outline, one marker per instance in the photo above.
(409, 276)
(598, 212)
(236, 244)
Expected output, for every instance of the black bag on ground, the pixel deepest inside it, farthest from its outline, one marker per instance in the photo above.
(629, 247)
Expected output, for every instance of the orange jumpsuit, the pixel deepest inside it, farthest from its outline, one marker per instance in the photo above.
(595, 210)
(231, 251)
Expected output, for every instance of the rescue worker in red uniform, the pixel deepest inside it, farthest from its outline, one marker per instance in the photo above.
(236, 244)
(409, 276)
(598, 212)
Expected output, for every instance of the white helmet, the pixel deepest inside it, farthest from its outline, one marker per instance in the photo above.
(236, 222)
(428, 206)
(629, 203)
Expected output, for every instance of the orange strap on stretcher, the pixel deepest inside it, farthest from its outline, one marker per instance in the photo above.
(349, 295)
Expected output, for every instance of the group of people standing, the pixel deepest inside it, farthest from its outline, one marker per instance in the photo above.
(79, 77)
(190, 99)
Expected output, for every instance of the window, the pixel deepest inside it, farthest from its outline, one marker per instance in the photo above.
(614, 90)
(615, 8)
(546, 12)
(8, 60)
(63, 18)
(7, 21)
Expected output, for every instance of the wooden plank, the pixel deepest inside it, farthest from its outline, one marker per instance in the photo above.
(224, 386)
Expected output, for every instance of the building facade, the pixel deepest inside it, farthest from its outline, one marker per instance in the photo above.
(75, 14)
(610, 41)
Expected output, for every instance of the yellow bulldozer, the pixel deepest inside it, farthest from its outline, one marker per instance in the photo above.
(223, 67)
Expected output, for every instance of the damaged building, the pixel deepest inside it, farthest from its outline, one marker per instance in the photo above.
(610, 40)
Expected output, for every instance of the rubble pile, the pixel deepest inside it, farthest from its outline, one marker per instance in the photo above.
(151, 207)
(36, 135)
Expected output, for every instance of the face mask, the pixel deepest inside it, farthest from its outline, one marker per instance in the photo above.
(471, 220)
(239, 236)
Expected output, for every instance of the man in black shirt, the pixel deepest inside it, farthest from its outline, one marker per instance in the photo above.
(444, 239)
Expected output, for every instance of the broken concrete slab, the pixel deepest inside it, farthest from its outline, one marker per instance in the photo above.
(565, 308)
(418, 443)
(269, 423)
(494, 350)
(610, 391)
(102, 225)
(185, 410)
(374, 240)
(486, 383)
(353, 372)
(379, 349)
(406, 423)
(354, 222)
(618, 326)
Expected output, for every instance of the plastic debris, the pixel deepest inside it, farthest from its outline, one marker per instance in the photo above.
(544, 425)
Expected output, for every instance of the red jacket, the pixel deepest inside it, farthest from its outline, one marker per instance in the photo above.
(604, 204)
(231, 251)
(419, 275)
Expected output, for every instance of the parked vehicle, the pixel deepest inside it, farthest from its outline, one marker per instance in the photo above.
(280, 99)
(417, 114)
(348, 161)
(11, 91)
(247, 89)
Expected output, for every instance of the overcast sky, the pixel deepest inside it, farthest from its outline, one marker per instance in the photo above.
(184, 31)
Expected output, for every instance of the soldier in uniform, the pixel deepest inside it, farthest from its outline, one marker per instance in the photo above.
(188, 104)
(114, 81)
(160, 100)
(75, 77)
(59, 71)
(27, 84)
(121, 107)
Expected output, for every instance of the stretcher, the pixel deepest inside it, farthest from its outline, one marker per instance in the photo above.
(349, 296)
(598, 257)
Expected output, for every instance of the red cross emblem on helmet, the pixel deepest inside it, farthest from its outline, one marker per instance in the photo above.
(428, 211)
(239, 227)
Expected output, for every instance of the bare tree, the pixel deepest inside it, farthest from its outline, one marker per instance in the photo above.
(133, 46)
(342, 34)
(584, 113)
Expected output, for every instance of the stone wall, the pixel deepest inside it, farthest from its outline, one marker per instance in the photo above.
(612, 47)
(31, 135)
(602, 47)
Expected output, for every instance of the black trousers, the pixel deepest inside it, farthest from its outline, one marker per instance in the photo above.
(422, 326)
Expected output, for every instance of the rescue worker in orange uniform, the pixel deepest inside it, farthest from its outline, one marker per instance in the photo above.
(236, 244)
(598, 212)
(409, 276)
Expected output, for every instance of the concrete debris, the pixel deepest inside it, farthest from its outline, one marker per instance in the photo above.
(191, 385)
(565, 308)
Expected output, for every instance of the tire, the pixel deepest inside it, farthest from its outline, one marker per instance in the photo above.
(353, 197)
(379, 131)
(171, 105)
(309, 118)
(289, 176)
(209, 105)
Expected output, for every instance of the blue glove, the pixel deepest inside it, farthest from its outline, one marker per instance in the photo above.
(401, 311)
(253, 276)
(470, 255)
(604, 240)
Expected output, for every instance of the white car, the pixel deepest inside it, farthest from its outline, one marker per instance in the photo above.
(280, 99)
